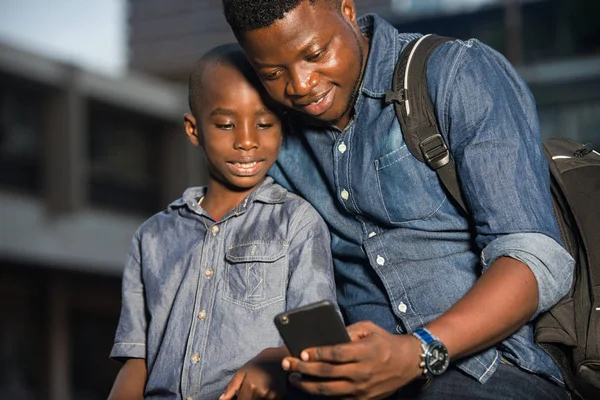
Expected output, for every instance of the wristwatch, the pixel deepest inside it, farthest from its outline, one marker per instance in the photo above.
(435, 357)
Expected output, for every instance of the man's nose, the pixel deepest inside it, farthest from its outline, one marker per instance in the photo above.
(301, 82)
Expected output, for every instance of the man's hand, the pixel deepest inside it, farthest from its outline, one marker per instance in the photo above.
(260, 378)
(373, 366)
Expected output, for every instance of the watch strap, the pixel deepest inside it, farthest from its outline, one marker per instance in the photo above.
(427, 341)
(425, 336)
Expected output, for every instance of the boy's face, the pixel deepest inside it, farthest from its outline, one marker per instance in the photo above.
(311, 60)
(239, 134)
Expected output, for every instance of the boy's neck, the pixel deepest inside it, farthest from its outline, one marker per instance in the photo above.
(219, 200)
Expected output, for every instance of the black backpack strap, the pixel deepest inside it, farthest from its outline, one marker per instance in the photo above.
(416, 114)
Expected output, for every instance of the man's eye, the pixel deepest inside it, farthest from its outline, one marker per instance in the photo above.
(225, 127)
(265, 126)
(271, 75)
(315, 56)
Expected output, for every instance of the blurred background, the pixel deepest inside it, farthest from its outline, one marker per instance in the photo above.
(92, 96)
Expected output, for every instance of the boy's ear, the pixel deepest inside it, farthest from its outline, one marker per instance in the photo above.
(191, 129)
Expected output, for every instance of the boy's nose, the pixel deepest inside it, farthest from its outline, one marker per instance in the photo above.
(246, 139)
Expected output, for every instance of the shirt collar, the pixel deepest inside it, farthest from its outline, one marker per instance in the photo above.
(384, 48)
(268, 192)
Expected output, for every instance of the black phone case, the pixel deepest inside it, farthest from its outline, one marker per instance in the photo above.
(316, 324)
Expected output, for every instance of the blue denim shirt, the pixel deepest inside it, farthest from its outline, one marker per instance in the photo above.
(403, 252)
(199, 296)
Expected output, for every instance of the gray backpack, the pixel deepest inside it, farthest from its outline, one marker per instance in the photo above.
(570, 331)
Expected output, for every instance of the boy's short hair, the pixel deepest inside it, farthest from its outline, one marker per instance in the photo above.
(247, 15)
(225, 54)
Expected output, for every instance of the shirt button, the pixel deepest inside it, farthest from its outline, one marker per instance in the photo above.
(380, 260)
(372, 234)
(345, 194)
(214, 229)
(402, 307)
(342, 148)
(202, 315)
(195, 358)
(209, 273)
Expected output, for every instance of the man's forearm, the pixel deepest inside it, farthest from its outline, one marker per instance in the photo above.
(503, 299)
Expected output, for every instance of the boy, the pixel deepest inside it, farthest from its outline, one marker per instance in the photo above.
(205, 277)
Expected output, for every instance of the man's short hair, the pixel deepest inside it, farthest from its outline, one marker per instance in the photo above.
(225, 54)
(247, 15)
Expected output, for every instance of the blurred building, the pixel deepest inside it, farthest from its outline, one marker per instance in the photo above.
(84, 159)
(555, 45)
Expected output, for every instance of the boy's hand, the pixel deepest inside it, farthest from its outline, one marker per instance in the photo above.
(261, 378)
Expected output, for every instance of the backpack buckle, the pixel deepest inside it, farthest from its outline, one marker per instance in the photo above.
(435, 151)
(395, 96)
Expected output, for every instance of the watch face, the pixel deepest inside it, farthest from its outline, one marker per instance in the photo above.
(437, 358)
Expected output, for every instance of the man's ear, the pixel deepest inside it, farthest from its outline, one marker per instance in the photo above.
(191, 129)
(348, 10)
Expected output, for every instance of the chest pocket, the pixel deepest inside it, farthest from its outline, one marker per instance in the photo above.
(408, 188)
(256, 274)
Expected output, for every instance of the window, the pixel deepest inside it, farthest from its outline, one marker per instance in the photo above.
(125, 159)
(21, 124)
(23, 345)
(577, 121)
(93, 318)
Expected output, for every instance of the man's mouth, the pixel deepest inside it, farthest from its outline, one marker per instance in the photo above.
(320, 105)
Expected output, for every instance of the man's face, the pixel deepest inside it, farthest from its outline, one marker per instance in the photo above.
(240, 134)
(311, 60)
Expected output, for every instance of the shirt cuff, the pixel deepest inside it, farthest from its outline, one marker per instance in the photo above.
(550, 263)
(122, 351)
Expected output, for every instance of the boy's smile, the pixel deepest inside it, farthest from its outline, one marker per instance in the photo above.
(245, 168)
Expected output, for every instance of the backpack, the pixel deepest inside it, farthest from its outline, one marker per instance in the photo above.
(570, 331)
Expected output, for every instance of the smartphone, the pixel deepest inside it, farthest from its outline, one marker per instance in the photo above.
(317, 324)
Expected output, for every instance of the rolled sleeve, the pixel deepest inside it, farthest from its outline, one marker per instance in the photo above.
(549, 262)
(130, 338)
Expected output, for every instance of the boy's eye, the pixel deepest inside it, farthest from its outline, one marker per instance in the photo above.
(265, 125)
(225, 127)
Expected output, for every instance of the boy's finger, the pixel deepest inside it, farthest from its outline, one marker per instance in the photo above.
(233, 386)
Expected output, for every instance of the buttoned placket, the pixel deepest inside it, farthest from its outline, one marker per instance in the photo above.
(341, 153)
(205, 292)
(375, 248)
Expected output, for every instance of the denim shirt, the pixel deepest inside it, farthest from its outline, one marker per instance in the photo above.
(199, 296)
(403, 251)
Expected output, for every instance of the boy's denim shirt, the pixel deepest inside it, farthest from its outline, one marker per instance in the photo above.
(403, 252)
(199, 296)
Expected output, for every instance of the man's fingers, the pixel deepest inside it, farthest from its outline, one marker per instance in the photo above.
(339, 354)
(361, 330)
(322, 388)
(233, 386)
(315, 369)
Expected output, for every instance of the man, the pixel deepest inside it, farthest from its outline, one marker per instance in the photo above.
(432, 280)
